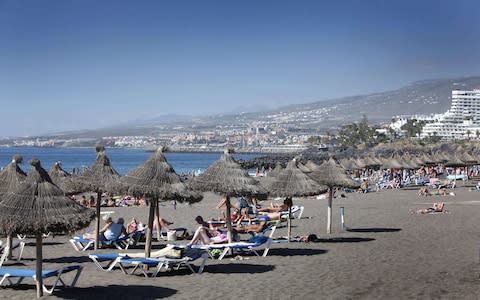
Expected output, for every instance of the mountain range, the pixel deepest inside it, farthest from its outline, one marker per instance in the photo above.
(420, 97)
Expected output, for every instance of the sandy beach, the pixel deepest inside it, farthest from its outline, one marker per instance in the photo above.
(387, 253)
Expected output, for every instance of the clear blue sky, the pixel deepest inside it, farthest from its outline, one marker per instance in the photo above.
(67, 65)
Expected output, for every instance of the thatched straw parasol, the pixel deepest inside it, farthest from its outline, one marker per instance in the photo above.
(226, 177)
(332, 175)
(406, 161)
(468, 159)
(312, 166)
(391, 162)
(276, 170)
(370, 162)
(38, 206)
(61, 177)
(455, 162)
(428, 160)
(293, 182)
(303, 167)
(156, 179)
(97, 178)
(349, 164)
(10, 179)
(12, 175)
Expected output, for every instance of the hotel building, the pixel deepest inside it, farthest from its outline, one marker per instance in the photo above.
(461, 121)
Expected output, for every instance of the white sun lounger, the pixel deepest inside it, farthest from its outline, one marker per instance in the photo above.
(251, 247)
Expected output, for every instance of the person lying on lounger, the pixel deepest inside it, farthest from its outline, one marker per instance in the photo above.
(275, 207)
(260, 225)
(205, 235)
(110, 231)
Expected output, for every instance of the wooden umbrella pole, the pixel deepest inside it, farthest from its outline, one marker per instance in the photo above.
(97, 221)
(9, 246)
(38, 270)
(157, 221)
(229, 219)
(151, 216)
(289, 222)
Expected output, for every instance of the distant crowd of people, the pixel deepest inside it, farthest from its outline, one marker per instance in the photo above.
(108, 200)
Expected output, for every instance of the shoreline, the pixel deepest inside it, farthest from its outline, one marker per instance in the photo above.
(172, 150)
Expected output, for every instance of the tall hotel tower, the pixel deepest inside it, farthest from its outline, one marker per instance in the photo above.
(461, 121)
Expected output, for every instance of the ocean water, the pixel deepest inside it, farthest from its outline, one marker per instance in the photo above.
(122, 160)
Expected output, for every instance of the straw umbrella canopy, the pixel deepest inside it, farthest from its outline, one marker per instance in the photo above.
(406, 161)
(468, 158)
(349, 164)
(391, 163)
(303, 167)
(332, 174)
(311, 165)
(370, 162)
(293, 182)
(10, 179)
(61, 177)
(156, 179)
(428, 159)
(417, 160)
(38, 206)
(12, 175)
(97, 178)
(226, 177)
(455, 162)
(276, 170)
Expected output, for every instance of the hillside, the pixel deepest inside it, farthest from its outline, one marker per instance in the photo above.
(421, 97)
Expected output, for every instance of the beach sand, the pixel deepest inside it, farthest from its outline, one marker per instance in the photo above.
(387, 253)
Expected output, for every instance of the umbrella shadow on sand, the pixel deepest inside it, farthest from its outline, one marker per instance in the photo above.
(295, 252)
(374, 229)
(238, 268)
(33, 244)
(343, 240)
(68, 259)
(116, 292)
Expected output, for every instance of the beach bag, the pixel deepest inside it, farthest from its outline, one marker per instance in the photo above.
(216, 253)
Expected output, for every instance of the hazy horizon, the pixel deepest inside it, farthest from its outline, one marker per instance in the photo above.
(68, 65)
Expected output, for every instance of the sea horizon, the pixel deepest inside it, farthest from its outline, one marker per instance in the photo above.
(123, 159)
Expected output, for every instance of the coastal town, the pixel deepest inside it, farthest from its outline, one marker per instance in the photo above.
(280, 132)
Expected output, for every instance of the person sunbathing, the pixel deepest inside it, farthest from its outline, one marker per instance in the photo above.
(437, 207)
(205, 235)
(110, 231)
(275, 207)
(241, 205)
(272, 216)
(257, 227)
(180, 232)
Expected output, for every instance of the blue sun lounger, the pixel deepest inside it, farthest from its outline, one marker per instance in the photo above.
(107, 262)
(150, 267)
(7, 274)
(254, 245)
(122, 243)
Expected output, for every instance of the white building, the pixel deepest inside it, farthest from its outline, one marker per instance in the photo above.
(461, 121)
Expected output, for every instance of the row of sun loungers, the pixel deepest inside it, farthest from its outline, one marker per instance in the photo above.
(192, 258)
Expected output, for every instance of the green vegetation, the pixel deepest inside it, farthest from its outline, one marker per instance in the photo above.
(358, 135)
(413, 127)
